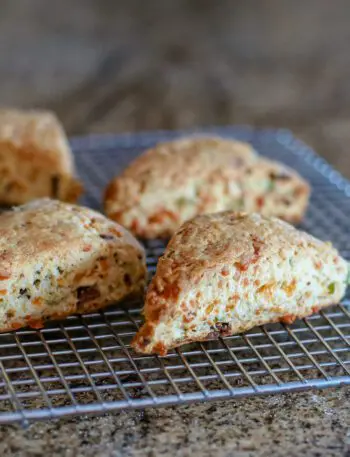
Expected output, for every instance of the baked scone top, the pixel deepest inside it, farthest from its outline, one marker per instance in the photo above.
(195, 154)
(173, 163)
(237, 240)
(230, 238)
(35, 130)
(175, 181)
(45, 231)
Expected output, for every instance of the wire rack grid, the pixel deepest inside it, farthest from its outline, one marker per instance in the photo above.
(85, 364)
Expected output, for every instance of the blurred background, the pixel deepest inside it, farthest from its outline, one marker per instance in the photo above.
(115, 66)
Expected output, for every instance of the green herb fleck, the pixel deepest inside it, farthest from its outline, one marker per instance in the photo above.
(331, 288)
(183, 201)
(271, 185)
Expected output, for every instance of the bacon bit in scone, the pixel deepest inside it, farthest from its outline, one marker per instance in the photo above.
(241, 266)
(257, 244)
(183, 306)
(256, 282)
(3, 291)
(87, 293)
(87, 248)
(37, 301)
(225, 272)
(224, 328)
(35, 323)
(4, 277)
(187, 318)
(234, 298)
(318, 265)
(161, 216)
(288, 319)
(260, 202)
(315, 309)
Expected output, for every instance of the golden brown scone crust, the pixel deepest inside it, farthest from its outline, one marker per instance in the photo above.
(178, 180)
(174, 181)
(35, 158)
(59, 259)
(225, 273)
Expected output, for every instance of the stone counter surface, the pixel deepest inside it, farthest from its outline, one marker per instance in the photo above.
(116, 66)
(304, 424)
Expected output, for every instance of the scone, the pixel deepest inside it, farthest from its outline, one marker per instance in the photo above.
(225, 273)
(176, 181)
(35, 158)
(59, 259)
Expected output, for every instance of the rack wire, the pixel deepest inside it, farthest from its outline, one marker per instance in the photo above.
(85, 364)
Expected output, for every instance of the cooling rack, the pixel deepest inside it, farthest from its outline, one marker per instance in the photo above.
(85, 364)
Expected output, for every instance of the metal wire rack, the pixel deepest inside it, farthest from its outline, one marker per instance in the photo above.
(85, 364)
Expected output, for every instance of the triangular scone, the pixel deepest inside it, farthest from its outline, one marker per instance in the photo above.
(59, 259)
(225, 273)
(176, 181)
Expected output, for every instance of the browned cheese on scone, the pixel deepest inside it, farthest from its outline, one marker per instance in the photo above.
(59, 259)
(224, 273)
(176, 181)
(35, 158)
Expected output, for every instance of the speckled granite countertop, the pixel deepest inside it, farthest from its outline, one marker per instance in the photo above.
(310, 424)
(133, 65)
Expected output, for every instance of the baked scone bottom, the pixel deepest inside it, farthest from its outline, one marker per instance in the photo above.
(225, 273)
(60, 259)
